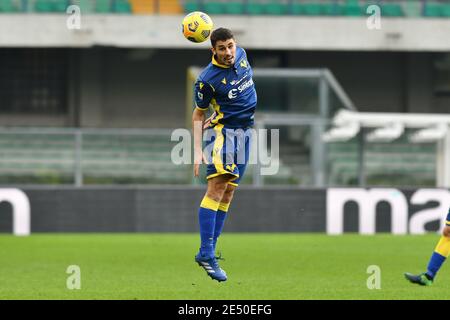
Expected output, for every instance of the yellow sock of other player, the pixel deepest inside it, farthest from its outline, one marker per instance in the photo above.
(441, 252)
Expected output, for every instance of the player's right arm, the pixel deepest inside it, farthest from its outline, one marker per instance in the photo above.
(203, 95)
(198, 117)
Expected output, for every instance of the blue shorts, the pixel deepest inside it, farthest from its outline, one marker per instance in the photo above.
(227, 152)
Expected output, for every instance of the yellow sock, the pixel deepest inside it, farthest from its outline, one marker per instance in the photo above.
(224, 206)
(443, 246)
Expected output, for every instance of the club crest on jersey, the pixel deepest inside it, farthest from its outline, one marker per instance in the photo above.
(224, 81)
(243, 64)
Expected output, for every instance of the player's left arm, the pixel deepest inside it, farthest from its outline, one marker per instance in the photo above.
(204, 92)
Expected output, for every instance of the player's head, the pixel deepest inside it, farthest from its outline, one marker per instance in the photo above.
(223, 46)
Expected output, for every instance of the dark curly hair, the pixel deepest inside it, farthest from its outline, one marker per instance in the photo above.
(221, 34)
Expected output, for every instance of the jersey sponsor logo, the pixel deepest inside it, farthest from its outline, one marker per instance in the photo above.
(232, 94)
(245, 85)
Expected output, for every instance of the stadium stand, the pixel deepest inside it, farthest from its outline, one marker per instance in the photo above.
(50, 159)
(128, 159)
(7, 6)
(384, 164)
(389, 8)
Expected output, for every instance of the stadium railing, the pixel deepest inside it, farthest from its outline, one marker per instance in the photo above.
(394, 149)
(349, 8)
(47, 156)
(89, 156)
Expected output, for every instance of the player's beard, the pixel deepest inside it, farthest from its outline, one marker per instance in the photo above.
(229, 61)
(225, 60)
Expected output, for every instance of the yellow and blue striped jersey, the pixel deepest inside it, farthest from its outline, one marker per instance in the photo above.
(229, 90)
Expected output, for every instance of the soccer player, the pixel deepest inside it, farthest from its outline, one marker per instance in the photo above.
(226, 84)
(441, 252)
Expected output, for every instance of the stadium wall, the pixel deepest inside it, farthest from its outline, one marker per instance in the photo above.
(147, 88)
(269, 209)
(126, 87)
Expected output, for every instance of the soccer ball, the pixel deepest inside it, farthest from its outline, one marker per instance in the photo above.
(197, 26)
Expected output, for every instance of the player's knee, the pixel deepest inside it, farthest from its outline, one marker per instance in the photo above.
(228, 194)
(215, 194)
(217, 188)
(446, 232)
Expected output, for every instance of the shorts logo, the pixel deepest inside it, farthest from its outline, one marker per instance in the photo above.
(200, 95)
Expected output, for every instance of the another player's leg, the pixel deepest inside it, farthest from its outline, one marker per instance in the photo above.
(207, 220)
(441, 252)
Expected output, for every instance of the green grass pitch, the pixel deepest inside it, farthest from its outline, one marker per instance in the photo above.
(259, 266)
